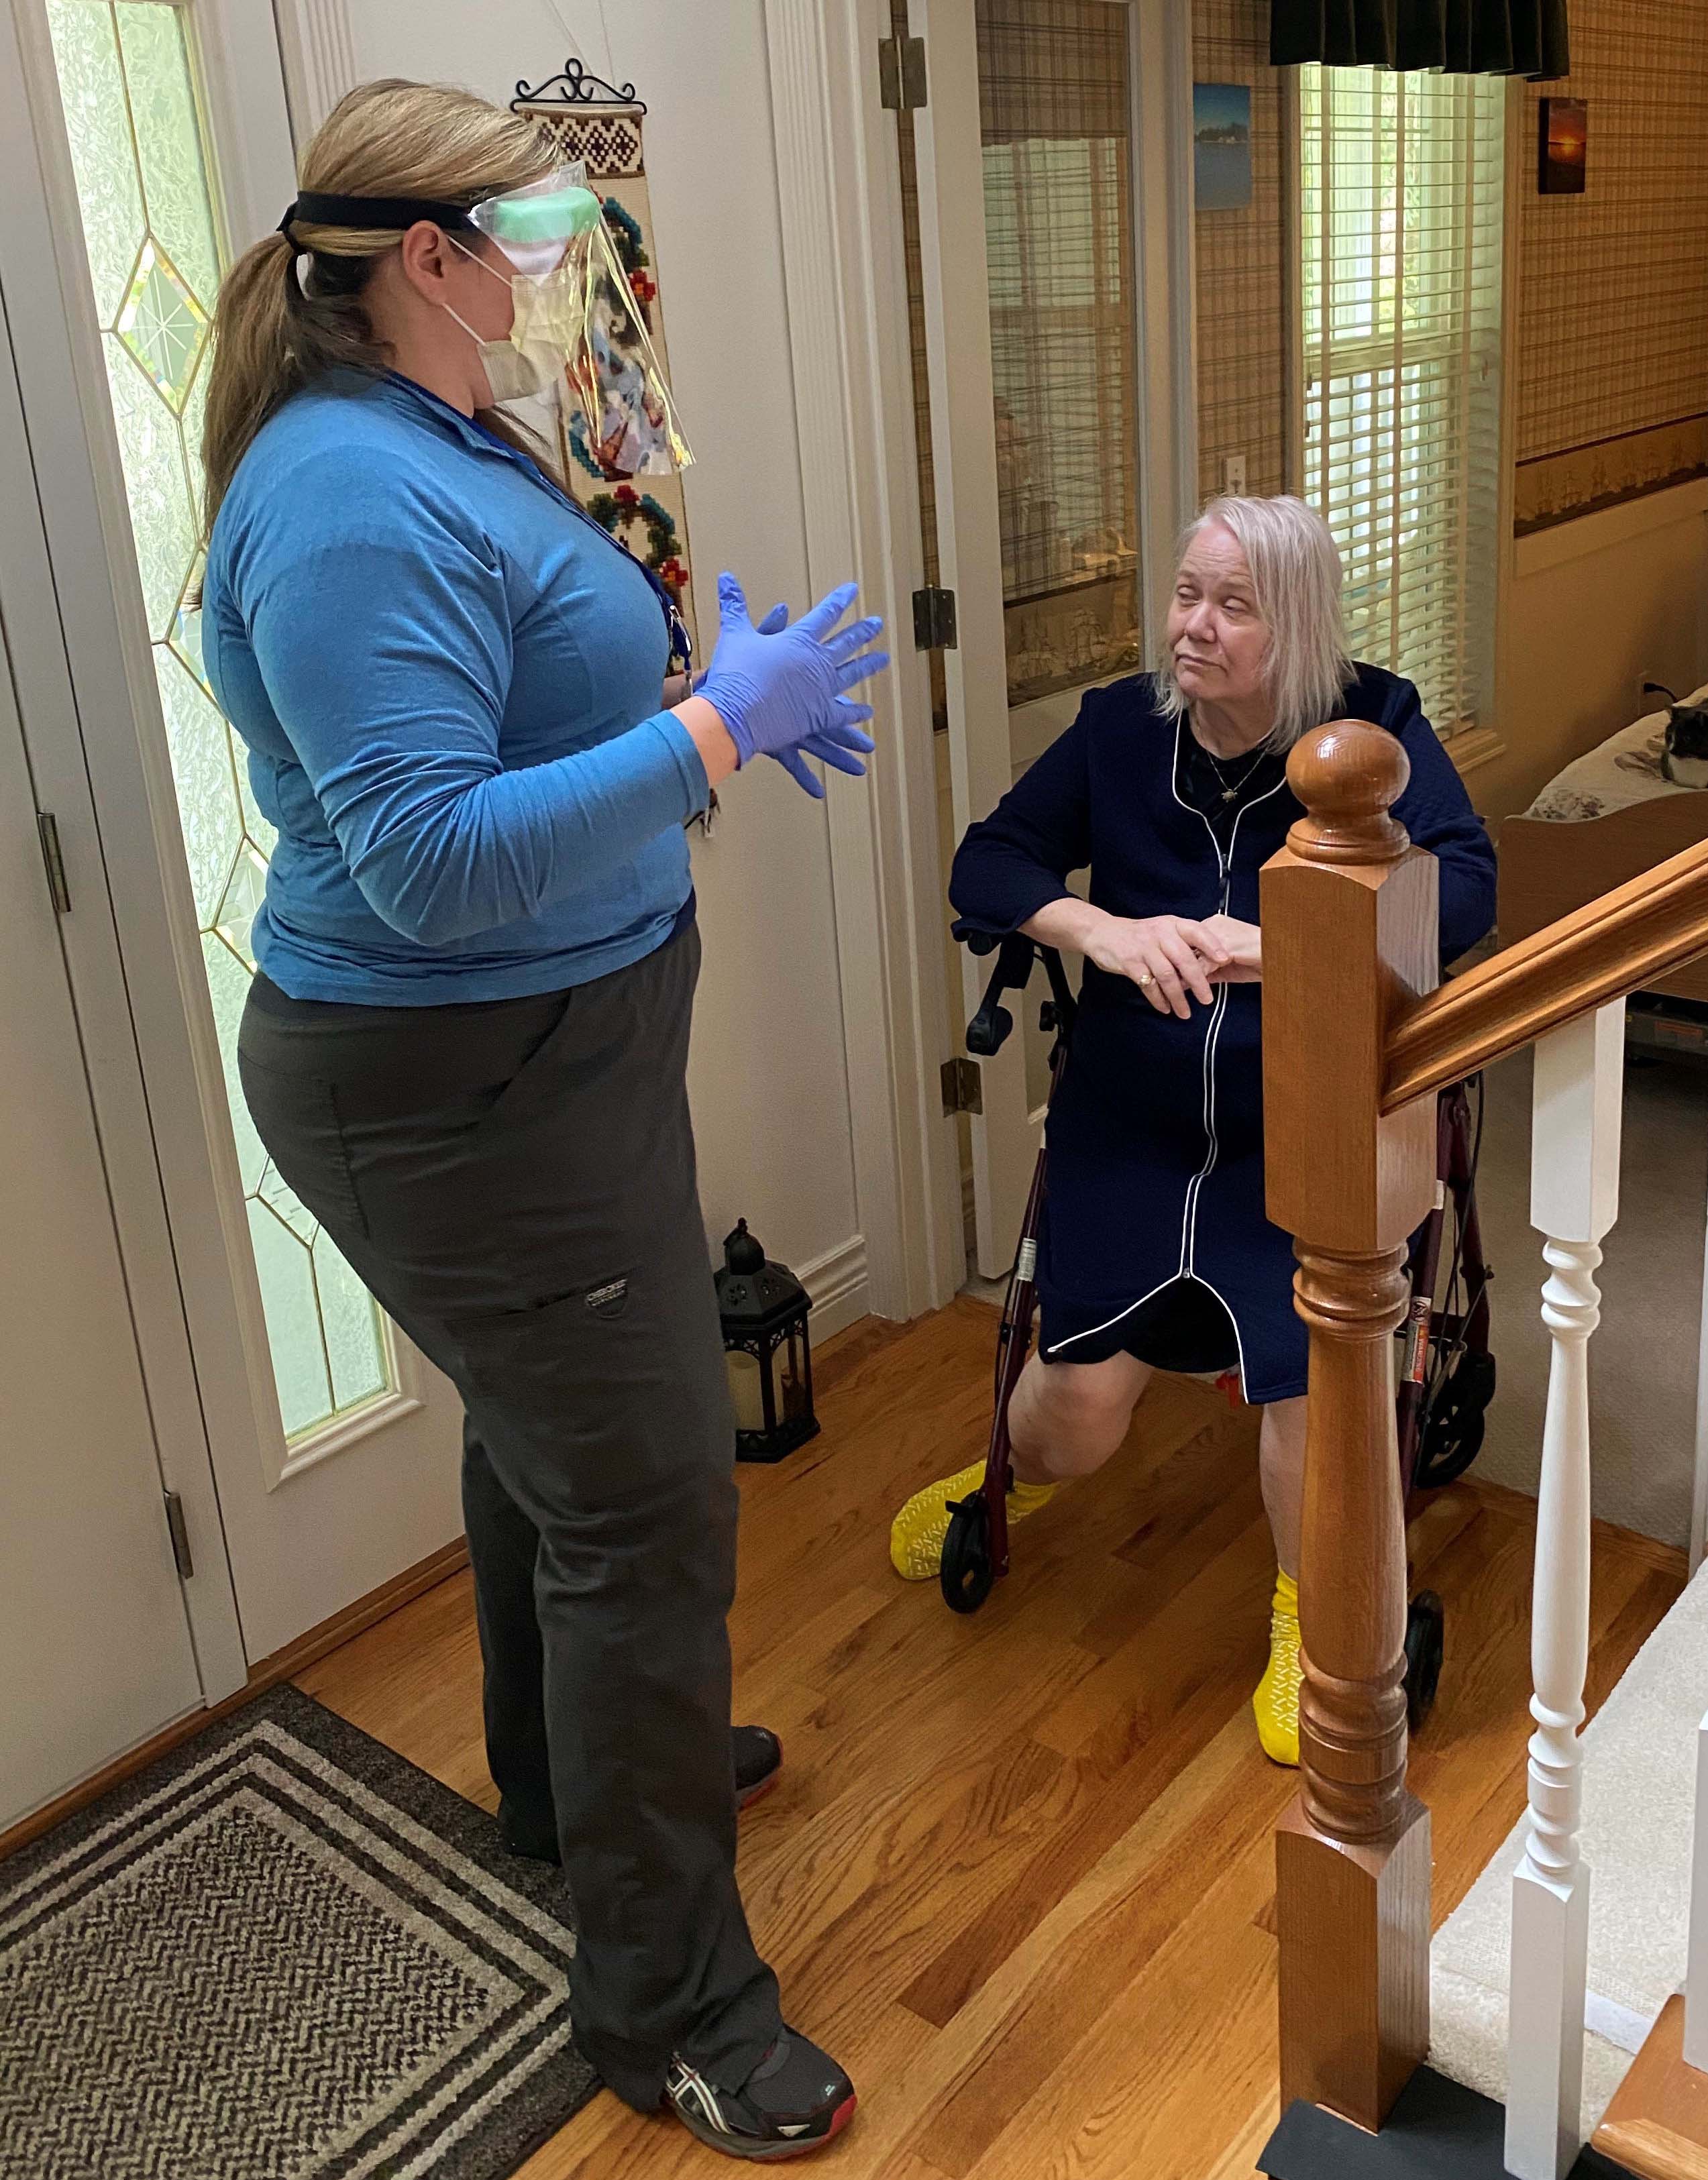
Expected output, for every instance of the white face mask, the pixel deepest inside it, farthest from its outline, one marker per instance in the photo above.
(531, 361)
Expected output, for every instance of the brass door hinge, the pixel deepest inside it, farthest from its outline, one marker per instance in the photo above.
(183, 1557)
(963, 1086)
(933, 620)
(47, 825)
(901, 74)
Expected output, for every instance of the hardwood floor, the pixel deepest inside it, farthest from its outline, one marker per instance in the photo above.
(1018, 1873)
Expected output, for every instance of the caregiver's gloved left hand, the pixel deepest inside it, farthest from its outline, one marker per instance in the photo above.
(780, 689)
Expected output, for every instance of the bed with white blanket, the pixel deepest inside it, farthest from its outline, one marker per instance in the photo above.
(1610, 816)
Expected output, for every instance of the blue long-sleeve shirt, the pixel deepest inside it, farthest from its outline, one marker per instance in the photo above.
(448, 678)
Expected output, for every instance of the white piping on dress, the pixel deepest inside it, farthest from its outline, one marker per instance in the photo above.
(1173, 1279)
(1188, 1229)
(1188, 1237)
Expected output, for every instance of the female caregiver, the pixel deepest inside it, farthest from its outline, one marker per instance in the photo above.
(465, 1049)
(1155, 1252)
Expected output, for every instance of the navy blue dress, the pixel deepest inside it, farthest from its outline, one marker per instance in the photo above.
(1156, 1133)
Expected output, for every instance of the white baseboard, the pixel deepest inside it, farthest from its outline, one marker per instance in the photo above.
(837, 1284)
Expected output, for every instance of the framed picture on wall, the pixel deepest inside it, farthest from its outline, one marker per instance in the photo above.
(1561, 139)
(1221, 146)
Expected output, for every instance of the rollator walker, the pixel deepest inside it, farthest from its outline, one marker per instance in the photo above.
(1446, 1374)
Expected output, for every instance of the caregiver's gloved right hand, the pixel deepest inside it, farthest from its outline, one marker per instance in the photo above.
(776, 691)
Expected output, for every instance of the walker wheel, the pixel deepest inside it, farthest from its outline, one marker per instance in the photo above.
(1452, 1433)
(1425, 1645)
(966, 1573)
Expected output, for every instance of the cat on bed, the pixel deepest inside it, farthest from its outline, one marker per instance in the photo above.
(1684, 746)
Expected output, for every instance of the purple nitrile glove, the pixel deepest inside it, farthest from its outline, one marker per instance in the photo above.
(844, 753)
(775, 621)
(779, 689)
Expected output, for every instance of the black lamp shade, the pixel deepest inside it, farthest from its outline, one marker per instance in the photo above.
(763, 1308)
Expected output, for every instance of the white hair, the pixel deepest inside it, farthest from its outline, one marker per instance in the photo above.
(1296, 589)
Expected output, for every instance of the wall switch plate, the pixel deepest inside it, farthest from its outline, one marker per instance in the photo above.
(1233, 476)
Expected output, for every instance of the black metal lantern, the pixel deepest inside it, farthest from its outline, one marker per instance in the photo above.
(763, 1310)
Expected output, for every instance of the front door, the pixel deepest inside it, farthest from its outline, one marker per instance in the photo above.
(1051, 191)
(143, 144)
(95, 1645)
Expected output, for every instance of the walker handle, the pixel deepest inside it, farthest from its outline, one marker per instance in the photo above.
(988, 1030)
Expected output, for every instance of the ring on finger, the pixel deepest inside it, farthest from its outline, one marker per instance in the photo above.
(1144, 979)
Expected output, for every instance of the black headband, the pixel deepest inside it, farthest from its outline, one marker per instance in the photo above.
(314, 209)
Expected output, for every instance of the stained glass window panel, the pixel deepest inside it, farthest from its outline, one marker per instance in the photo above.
(162, 325)
(167, 130)
(162, 515)
(127, 80)
(208, 810)
(92, 84)
(350, 1323)
(300, 1367)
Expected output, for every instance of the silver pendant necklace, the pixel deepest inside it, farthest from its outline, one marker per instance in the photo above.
(1229, 793)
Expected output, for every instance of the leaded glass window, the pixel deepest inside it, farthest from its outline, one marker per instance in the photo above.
(128, 82)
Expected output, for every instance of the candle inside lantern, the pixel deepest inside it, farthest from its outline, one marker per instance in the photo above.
(746, 1389)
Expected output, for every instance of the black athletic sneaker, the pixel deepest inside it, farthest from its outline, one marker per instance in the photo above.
(794, 2100)
(758, 1758)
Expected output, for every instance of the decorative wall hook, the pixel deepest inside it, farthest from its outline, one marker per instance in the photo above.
(574, 87)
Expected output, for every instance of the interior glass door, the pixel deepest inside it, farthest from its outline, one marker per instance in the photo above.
(1042, 218)
(1056, 129)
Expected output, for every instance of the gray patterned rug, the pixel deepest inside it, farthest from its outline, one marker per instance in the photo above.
(281, 1953)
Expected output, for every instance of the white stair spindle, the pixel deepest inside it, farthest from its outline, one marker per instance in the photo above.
(1574, 1198)
(1696, 1959)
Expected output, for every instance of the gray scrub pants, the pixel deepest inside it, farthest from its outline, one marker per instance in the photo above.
(515, 1184)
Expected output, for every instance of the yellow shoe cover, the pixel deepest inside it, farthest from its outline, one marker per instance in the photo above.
(917, 1534)
(1277, 1702)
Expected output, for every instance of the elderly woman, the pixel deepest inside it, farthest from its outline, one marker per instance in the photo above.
(1155, 1252)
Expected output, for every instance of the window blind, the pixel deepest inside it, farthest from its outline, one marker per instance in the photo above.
(1056, 126)
(1402, 196)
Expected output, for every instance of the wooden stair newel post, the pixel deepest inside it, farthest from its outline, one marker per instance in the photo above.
(1350, 936)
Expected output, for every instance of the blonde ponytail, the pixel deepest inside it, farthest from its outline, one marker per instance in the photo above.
(272, 334)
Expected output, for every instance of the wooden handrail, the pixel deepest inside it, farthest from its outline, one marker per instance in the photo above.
(1616, 945)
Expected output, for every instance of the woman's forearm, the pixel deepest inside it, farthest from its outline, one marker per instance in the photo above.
(1068, 923)
(706, 729)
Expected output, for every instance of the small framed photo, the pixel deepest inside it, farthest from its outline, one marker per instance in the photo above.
(1561, 138)
(1221, 146)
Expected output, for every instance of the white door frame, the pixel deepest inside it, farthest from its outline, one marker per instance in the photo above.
(840, 194)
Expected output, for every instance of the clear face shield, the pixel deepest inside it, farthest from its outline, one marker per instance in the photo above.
(578, 326)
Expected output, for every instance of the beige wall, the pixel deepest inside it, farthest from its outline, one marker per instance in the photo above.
(1594, 608)
(769, 1075)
